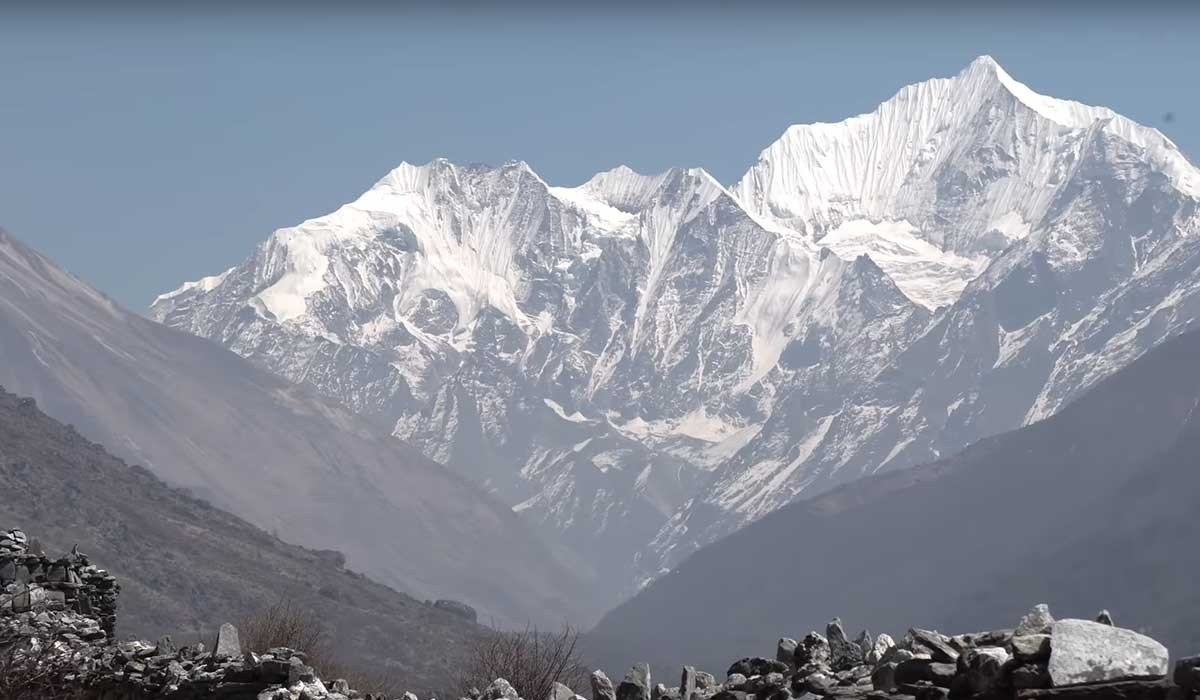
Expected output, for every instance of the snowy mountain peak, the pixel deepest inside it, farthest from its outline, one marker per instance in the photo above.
(939, 179)
(630, 191)
(1075, 115)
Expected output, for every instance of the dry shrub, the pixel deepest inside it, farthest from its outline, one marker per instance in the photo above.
(531, 660)
(287, 623)
(31, 670)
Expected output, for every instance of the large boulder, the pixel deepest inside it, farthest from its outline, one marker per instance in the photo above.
(602, 687)
(1083, 651)
(985, 667)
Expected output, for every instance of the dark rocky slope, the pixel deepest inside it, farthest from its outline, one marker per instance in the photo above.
(276, 454)
(1095, 505)
(185, 567)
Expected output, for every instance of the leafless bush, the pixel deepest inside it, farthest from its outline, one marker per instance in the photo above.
(532, 660)
(290, 624)
(30, 669)
(285, 623)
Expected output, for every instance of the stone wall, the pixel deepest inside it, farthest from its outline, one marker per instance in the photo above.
(28, 580)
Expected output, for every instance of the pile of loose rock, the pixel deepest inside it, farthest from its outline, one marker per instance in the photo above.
(1041, 658)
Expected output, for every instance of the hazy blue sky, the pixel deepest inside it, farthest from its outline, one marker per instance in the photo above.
(140, 150)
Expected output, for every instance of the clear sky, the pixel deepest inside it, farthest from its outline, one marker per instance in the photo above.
(142, 149)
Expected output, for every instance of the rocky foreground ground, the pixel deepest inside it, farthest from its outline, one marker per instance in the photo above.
(57, 616)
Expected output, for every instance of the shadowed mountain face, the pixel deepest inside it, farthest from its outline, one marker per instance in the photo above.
(186, 567)
(312, 473)
(1092, 508)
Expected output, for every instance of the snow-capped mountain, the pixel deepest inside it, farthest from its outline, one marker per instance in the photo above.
(587, 353)
(1102, 266)
(642, 364)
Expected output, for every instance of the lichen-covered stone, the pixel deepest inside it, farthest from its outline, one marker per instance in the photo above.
(1083, 651)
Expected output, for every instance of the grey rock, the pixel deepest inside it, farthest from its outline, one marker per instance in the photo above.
(602, 687)
(1030, 676)
(687, 683)
(1187, 673)
(865, 641)
(228, 644)
(1105, 618)
(984, 668)
(1036, 621)
(561, 692)
(636, 685)
(735, 681)
(756, 666)
(1031, 647)
(884, 677)
(813, 649)
(843, 653)
(899, 654)
(500, 688)
(1089, 652)
(785, 650)
(938, 645)
(927, 670)
(883, 643)
(818, 683)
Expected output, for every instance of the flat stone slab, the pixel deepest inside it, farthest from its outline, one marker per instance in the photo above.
(1082, 651)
